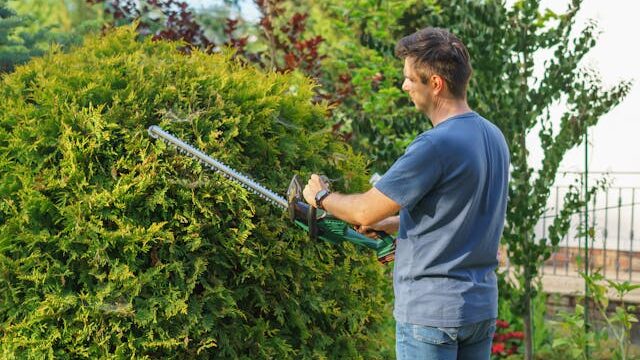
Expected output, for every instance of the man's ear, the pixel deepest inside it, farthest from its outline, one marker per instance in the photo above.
(437, 84)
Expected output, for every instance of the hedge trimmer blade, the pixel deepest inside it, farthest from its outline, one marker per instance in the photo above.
(215, 165)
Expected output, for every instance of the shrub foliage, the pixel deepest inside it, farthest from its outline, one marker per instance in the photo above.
(113, 245)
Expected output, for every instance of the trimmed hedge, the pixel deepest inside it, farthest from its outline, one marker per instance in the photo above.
(113, 245)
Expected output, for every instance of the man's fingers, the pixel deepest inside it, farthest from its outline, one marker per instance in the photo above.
(366, 231)
(308, 195)
(316, 181)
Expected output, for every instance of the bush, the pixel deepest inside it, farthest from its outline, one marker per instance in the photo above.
(112, 245)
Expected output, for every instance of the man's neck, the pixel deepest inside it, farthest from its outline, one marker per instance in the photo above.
(446, 109)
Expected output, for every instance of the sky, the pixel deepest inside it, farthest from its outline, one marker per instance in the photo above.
(613, 142)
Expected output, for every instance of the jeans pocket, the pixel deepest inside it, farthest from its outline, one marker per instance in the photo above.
(490, 328)
(433, 335)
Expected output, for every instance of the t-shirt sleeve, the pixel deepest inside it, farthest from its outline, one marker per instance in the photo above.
(413, 175)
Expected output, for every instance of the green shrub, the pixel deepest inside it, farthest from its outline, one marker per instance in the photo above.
(112, 245)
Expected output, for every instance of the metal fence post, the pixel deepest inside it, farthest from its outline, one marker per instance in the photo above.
(633, 201)
(605, 233)
(586, 237)
(618, 235)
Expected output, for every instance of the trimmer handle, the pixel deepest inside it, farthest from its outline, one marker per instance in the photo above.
(321, 225)
(299, 210)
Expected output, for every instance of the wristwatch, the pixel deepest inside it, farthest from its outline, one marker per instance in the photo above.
(321, 195)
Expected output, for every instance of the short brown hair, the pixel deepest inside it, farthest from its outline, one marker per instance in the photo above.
(437, 51)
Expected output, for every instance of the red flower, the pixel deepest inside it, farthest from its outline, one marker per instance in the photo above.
(502, 324)
(497, 348)
(517, 335)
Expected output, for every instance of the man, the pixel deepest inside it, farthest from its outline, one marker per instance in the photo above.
(450, 189)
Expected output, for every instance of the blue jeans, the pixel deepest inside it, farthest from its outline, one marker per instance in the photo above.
(468, 342)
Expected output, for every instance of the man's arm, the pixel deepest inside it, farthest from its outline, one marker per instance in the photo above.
(358, 209)
(389, 225)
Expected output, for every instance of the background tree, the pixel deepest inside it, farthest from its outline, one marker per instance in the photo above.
(28, 28)
(16, 45)
(65, 17)
(372, 114)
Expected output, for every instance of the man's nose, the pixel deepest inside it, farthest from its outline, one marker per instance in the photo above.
(405, 85)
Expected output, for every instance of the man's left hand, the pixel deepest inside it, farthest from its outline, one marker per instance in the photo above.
(314, 185)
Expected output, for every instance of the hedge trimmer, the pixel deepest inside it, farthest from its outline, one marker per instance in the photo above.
(318, 223)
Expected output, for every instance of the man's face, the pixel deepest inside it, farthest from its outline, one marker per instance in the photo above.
(421, 94)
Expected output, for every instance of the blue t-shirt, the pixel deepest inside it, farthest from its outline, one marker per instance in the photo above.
(452, 185)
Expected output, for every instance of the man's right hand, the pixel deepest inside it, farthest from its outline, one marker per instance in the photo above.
(389, 225)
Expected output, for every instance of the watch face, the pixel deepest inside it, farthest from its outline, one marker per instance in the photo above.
(320, 196)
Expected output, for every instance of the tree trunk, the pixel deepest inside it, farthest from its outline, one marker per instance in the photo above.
(528, 325)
